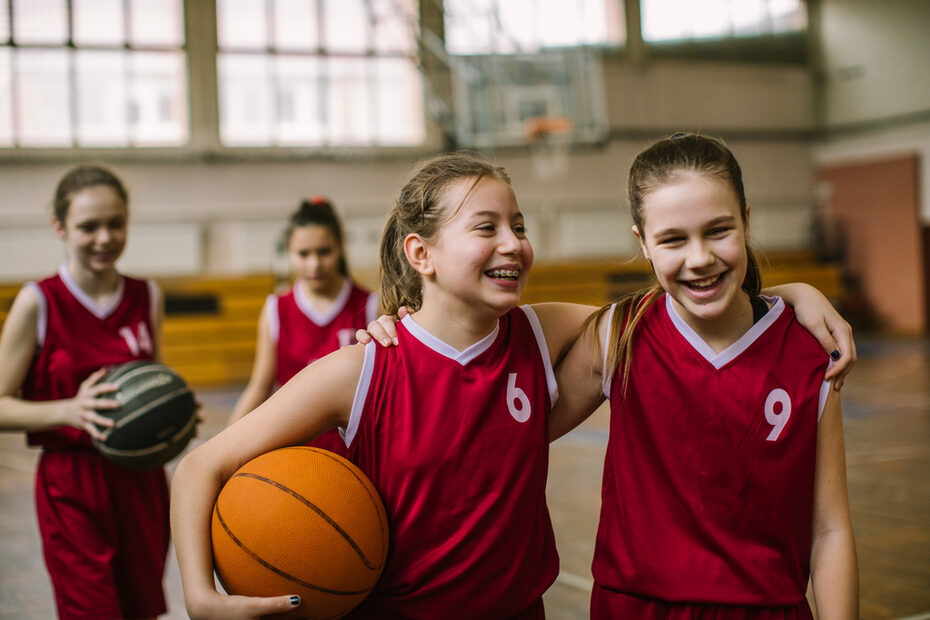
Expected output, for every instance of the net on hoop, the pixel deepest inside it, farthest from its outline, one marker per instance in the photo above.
(549, 139)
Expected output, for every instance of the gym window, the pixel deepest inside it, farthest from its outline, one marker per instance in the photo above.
(318, 73)
(92, 73)
(732, 29)
(527, 26)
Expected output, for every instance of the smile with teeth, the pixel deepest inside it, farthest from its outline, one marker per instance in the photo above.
(503, 274)
(705, 283)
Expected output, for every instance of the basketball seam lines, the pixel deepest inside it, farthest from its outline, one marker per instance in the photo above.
(151, 449)
(316, 509)
(375, 499)
(274, 569)
(148, 407)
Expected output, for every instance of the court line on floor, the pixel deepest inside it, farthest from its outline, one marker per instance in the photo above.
(925, 616)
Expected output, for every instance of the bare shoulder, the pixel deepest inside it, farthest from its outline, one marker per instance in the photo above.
(561, 324)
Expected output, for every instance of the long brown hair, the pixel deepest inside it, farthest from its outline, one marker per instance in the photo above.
(651, 169)
(420, 209)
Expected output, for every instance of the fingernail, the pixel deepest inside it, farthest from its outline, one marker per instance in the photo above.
(396, 342)
(835, 354)
(295, 601)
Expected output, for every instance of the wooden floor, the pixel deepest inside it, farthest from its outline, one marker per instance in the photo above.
(887, 411)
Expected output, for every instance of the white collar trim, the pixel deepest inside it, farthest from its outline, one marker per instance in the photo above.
(447, 350)
(719, 360)
(101, 312)
(322, 318)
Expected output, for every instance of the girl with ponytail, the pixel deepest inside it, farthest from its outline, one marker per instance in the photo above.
(317, 315)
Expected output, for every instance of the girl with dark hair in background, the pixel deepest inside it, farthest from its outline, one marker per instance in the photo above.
(319, 314)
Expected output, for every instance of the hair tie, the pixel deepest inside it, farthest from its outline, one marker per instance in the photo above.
(676, 135)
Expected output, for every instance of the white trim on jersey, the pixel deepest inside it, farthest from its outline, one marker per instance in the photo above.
(544, 351)
(42, 313)
(824, 392)
(154, 300)
(271, 315)
(322, 318)
(719, 360)
(361, 393)
(371, 308)
(101, 312)
(447, 350)
(607, 377)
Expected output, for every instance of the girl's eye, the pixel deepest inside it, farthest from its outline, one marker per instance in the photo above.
(716, 232)
(671, 240)
(520, 229)
(486, 227)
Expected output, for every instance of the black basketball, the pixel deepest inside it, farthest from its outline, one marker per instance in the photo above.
(156, 418)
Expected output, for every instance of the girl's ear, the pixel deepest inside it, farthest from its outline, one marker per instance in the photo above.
(642, 242)
(59, 228)
(417, 252)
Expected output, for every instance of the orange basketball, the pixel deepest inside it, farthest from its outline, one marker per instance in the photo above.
(301, 521)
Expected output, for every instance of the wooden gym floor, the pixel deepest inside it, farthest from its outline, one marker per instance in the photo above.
(887, 412)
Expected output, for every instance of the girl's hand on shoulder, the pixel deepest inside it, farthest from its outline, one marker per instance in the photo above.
(382, 330)
(82, 409)
(223, 607)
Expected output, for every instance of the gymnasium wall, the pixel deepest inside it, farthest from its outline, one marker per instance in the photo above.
(200, 213)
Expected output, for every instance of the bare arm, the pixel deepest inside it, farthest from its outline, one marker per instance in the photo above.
(315, 400)
(834, 568)
(820, 318)
(579, 376)
(261, 382)
(18, 344)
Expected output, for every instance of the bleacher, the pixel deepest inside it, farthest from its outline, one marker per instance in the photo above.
(210, 323)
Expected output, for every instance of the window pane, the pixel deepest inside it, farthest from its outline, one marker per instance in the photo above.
(298, 101)
(40, 21)
(245, 100)
(6, 97)
(345, 26)
(469, 27)
(98, 22)
(158, 99)
(241, 24)
(4, 25)
(158, 22)
(43, 97)
(511, 26)
(395, 26)
(399, 103)
(669, 20)
(296, 25)
(101, 96)
(348, 101)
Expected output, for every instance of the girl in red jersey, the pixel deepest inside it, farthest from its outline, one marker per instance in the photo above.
(104, 528)
(724, 482)
(451, 426)
(318, 315)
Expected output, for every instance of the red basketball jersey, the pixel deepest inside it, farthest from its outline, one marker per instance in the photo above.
(302, 334)
(709, 475)
(76, 337)
(457, 444)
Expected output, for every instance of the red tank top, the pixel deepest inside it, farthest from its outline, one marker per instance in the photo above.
(76, 337)
(457, 445)
(709, 475)
(302, 335)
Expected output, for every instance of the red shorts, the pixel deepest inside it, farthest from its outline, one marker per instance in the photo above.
(536, 611)
(104, 535)
(609, 604)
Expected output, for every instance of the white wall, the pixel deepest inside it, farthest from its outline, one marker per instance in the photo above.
(875, 91)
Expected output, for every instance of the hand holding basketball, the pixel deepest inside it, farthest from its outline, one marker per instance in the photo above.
(83, 410)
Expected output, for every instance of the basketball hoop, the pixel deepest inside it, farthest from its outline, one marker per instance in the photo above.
(549, 141)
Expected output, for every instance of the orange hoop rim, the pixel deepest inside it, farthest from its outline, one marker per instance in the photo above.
(539, 127)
